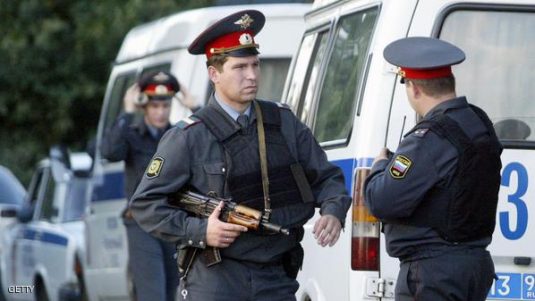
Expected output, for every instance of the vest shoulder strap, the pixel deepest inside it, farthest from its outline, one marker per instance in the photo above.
(446, 127)
(220, 126)
(270, 113)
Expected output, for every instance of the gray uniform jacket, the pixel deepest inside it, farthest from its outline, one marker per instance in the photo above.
(133, 143)
(193, 157)
(432, 161)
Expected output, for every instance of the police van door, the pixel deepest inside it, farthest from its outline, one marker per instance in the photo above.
(498, 77)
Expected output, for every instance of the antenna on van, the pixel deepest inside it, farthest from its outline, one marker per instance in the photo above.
(402, 129)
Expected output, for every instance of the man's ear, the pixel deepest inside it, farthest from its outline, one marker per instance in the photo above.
(416, 91)
(213, 74)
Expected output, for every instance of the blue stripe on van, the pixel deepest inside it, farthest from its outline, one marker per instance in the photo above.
(47, 237)
(111, 188)
(348, 165)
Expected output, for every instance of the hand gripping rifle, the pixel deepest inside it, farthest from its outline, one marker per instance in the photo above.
(231, 213)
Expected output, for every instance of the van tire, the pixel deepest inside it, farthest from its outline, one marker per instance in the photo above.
(131, 285)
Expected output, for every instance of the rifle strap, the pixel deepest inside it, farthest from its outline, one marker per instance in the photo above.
(263, 160)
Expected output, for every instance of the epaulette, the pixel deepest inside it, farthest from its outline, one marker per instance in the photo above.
(421, 132)
(188, 122)
(283, 106)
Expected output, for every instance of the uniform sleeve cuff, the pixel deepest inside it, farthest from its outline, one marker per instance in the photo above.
(196, 232)
(332, 208)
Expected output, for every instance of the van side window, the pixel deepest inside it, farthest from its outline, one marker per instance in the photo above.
(343, 76)
(76, 199)
(48, 210)
(498, 72)
(273, 73)
(160, 67)
(115, 102)
(313, 78)
(300, 72)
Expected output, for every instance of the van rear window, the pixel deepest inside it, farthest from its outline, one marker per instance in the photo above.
(498, 72)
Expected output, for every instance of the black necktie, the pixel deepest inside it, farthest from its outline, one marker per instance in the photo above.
(243, 121)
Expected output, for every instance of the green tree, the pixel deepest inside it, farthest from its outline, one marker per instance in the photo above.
(55, 58)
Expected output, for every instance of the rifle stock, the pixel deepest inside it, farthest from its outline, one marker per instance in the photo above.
(232, 213)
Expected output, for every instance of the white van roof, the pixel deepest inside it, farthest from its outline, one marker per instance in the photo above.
(178, 30)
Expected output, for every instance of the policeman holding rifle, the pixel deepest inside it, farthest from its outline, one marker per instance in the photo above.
(253, 152)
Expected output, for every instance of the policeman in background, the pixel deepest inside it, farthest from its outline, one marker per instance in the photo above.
(216, 151)
(437, 194)
(151, 260)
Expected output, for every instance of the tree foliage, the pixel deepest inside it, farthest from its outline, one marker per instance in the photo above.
(55, 58)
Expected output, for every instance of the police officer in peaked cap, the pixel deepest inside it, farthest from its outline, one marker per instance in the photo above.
(216, 152)
(437, 194)
(151, 260)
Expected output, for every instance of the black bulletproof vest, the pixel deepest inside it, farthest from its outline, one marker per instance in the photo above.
(245, 180)
(465, 208)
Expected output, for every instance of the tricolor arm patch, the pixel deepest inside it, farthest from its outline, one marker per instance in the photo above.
(400, 166)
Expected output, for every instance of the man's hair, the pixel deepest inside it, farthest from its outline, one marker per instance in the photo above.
(217, 60)
(435, 87)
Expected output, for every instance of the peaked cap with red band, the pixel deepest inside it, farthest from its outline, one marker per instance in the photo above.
(232, 35)
(159, 85)
(423, 57)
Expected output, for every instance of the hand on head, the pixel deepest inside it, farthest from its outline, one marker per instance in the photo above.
(130, 99)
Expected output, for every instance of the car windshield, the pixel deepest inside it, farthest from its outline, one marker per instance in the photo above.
(11, 191)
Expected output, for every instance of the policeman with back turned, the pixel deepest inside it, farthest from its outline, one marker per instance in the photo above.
(437, 194)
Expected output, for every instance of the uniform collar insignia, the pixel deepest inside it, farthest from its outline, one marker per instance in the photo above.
(245, 21)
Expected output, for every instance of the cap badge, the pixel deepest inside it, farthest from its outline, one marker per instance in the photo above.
(246, 39)
(161, 77)
(245, 21)
(161, 89)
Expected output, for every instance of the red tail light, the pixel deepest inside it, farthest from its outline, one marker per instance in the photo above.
(365, 231)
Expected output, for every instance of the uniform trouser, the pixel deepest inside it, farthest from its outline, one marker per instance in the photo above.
(152, 264)
(460, 275)
(232, 280)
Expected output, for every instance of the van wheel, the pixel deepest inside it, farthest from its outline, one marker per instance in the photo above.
(82, 289)
(40, 291)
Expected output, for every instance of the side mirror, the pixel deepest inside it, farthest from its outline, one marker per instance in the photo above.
(25, 214)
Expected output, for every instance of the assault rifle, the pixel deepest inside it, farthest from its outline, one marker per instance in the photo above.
(231, 213)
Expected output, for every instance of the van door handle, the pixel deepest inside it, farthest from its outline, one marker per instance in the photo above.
(522, 260)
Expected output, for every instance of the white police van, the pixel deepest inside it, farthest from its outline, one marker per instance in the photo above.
(162, 45)
(42, 256)
(341, 86)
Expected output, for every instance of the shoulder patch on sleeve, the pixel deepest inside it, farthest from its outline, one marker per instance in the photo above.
(155, 167)
(421, 132)
(188, 122)
(400, 166)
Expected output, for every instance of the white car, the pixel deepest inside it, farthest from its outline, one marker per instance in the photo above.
(12, 195)
(43, 253)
